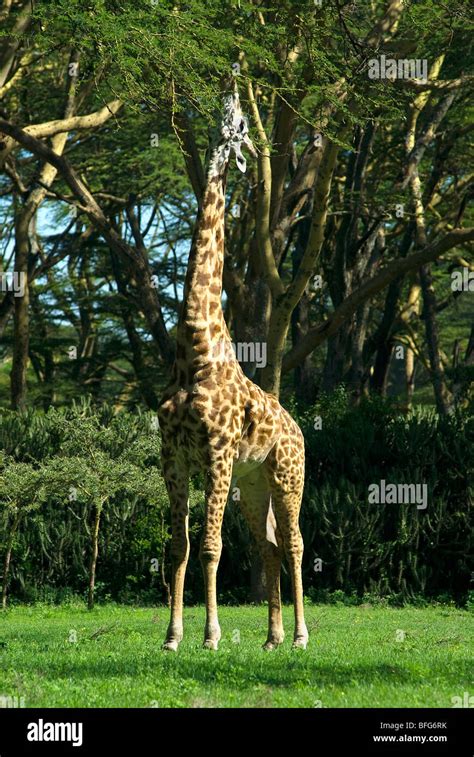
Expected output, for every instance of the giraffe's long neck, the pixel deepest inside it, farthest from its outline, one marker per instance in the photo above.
(202, 337)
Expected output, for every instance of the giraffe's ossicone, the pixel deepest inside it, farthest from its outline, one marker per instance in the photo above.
(215, 420)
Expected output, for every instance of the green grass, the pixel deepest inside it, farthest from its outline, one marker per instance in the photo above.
(353, 658)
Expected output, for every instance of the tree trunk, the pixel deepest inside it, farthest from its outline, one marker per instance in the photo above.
(432, 340)
(94, 555)
(304, 378)
(35, 197)
(357, 371)
(334, 365)
(139, 366)
(384, 338)
(7, 560)
(409, 376)
(45, 372)
(305, 390)
(21, 327)
(383, 360)
(270, 375)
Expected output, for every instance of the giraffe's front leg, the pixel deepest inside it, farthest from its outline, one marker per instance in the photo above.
(217, 490)
(177, 486)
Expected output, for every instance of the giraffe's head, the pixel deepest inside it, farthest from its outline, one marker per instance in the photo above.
(231, 135)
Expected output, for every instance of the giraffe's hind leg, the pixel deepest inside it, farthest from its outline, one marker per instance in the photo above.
(286, 480)
(256, 508)
(177, 485)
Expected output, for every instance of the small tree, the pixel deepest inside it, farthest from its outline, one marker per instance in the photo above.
(21, 492)
(96, 481)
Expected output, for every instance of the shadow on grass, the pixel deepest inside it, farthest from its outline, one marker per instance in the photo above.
(242, 673)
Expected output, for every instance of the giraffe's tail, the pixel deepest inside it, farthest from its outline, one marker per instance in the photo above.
(271, 525)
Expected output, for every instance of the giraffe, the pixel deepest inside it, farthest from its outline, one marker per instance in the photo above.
(215, 420)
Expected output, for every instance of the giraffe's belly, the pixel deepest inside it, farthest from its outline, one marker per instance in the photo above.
(249, 457)
(244, 467)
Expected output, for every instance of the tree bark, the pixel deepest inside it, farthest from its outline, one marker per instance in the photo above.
(94, 556)
(7, 559)
(410, 366)
(21, 328)
(138, 362)
(432, 340)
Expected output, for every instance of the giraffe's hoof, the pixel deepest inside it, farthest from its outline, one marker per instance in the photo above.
(211, 644)
(170, 646)
(269, 646)
(300, 643)
(272, 644)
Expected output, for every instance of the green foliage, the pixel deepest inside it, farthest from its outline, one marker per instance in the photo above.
(21, 486)
(387, 548)
(64, 464)
(83, 460)
(165, 60)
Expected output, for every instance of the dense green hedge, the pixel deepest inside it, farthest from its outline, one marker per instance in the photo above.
(62, 470)
(388, 548)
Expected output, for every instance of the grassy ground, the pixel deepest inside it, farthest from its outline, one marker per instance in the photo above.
(353, 658)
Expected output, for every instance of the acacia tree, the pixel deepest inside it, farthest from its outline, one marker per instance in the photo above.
(21, 493)
(34, 187)
(338, 153)
(334, 204)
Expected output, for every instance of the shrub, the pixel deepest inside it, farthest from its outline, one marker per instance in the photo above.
(72, 471)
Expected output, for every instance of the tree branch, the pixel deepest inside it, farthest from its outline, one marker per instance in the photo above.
(375, 284)
(264, 192)
(73, 123)
(149, 295)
